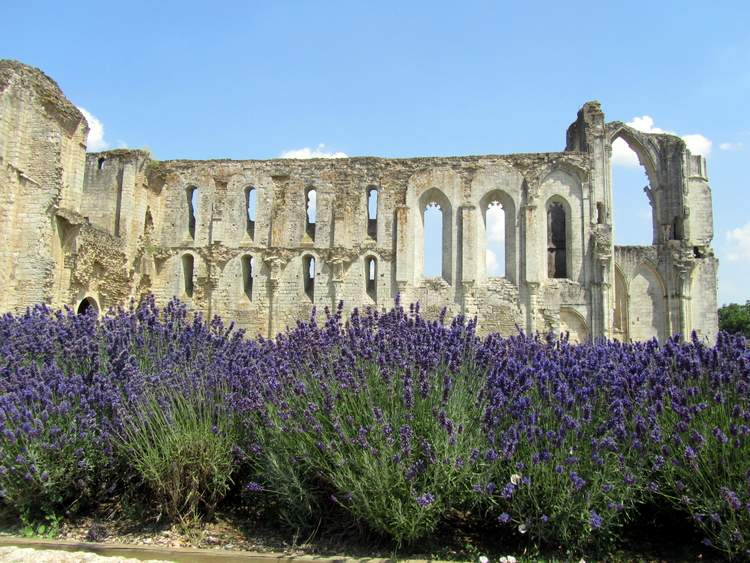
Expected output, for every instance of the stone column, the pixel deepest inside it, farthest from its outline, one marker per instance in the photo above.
(404, 267)
(468, 214)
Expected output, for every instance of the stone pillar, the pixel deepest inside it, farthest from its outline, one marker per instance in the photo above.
(403, 269)
(533, 307)
(468, 214)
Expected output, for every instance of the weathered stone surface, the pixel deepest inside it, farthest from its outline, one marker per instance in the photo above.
(115, 225)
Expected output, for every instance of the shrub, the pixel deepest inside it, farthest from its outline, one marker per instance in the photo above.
(181, 446)
(55, 453)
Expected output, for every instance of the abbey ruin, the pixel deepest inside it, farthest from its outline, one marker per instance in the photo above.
(99, 229)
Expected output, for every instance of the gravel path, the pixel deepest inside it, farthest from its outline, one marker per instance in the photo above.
(27, 555)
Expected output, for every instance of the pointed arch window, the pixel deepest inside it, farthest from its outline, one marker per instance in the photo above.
(371, 277)
(557, 241)
(251, 197)
(247, 276)
(372, 213)
(188, 264)
(192, 201)
(308, 275)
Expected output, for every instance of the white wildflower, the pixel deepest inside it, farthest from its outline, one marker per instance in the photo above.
(515, 478)
(483, 559)
(522, 528)
(507, 559)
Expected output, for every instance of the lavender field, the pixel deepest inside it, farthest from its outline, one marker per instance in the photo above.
(386, 419)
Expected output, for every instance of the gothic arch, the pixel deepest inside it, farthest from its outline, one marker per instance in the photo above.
(509, 210)
(620, 316)
(647, 304)
(435, 196)
(572, 322)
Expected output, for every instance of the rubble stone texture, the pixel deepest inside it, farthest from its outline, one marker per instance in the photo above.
(99, 229)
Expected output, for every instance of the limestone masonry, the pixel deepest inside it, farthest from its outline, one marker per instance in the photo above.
(240, 239)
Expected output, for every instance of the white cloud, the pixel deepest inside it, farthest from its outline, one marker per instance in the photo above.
(95, 141)
(318, 152)
(495, 224)
(493, 266)
(738, 243)
(623, 155)
(698, 144)
(731, 146)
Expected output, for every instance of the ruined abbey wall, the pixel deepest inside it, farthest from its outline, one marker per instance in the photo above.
(103, 228)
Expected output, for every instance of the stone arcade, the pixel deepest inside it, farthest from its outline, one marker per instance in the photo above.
(95, 230)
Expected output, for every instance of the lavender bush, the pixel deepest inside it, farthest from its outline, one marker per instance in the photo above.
(395, 420)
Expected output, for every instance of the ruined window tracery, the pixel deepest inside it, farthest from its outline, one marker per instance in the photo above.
(250, 210)
(192, 199)
(247, 276)
(557, 241)
(311, 200)
(372, 213)
(187, 273)
(308, 274)
(371, 273)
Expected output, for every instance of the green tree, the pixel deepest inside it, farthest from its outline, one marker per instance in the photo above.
(735, 318)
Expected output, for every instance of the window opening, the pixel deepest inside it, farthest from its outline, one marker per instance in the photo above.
(192, 197)
(556, 241)
(372, 213)
(187, 273)
(250, 203)
(311, 200)
(308, 273)
(247, 276)
(433, 240)
(371, 273)
(495, 240)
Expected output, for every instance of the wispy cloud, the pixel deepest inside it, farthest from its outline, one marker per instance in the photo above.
(95, 141)
(738, 243)
(732, 146)
(623, 155)
(493, 266)
(307, 152)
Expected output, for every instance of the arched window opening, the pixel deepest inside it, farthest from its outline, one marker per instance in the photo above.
(192, 199)
(632, 212)
(494, 228)
(433, 240)
(187, 273)
(311, 200)
(308, 274)
(247, 276)
(600, 213)
(556, 241)
(250, 203)
(100, 163)
(88, 306)
(371, 276)
(372, 213)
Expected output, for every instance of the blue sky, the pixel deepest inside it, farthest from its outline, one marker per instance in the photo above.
(260, 79)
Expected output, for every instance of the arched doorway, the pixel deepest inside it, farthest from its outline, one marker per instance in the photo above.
(87, 306)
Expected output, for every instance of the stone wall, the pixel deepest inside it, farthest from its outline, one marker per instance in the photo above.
(134, 226)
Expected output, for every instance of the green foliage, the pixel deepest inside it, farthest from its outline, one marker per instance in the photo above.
(712, 483)
(352, 454)
(735, 318)
(180, 445)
